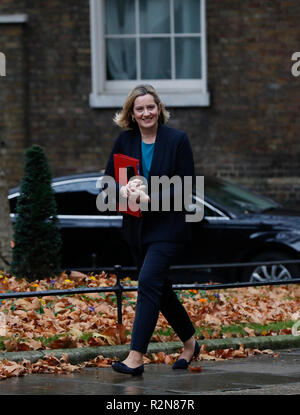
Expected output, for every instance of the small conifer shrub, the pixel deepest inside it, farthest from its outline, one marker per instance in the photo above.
(37, 238)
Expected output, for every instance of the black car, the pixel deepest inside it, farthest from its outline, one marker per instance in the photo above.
(238, 226)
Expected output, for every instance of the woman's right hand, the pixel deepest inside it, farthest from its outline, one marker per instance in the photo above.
(135, 190)
(136, 184)
(124, 192)
(131, 187)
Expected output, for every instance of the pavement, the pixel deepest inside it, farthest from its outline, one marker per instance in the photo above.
(256, 375)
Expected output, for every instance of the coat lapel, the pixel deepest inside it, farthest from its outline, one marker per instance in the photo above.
(134, 148)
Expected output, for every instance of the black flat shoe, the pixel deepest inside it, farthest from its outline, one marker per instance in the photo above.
(184, 364)
(122, 368)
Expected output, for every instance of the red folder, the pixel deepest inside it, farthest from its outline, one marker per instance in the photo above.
(123, 165)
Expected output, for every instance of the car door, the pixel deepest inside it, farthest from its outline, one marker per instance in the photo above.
(220, 239)
(91, 238)
(204, 246)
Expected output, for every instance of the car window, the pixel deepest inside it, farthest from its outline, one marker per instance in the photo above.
(13, 204)
(73, 197)
(237, 198)
(77, 197)
(210, 213)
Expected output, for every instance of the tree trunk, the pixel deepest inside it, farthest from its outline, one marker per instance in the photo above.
(6, 231)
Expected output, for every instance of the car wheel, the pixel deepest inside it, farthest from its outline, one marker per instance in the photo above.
(266, 273)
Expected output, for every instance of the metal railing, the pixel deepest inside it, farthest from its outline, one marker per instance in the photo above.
(119, 288)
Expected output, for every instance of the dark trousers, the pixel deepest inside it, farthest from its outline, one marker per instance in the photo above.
(155, 294)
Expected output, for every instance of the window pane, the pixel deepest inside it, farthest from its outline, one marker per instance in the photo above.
(120, 59)
(155, 16)
(119, 17)
(76, 203)
(155, 58)
(188, 57)
(187, 16)
(77, 198)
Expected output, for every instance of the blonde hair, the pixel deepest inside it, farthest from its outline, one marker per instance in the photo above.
(124, 118)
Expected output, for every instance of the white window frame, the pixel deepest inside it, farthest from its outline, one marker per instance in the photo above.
(110, 94)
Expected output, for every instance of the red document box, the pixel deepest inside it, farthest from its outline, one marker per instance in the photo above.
(124, 165)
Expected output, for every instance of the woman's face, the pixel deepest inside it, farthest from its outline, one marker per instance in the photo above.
(146, 112)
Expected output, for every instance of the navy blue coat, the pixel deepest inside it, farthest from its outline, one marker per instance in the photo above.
(172, 156)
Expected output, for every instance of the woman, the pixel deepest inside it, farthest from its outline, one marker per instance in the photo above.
(157, 237)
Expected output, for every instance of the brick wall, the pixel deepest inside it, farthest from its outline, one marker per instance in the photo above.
(249, 133)
(13, 134)
(254, 119)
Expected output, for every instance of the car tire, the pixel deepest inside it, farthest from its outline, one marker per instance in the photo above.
(266, 273)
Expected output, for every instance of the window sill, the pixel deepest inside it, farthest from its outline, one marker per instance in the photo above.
(13, 18)
(179, 99)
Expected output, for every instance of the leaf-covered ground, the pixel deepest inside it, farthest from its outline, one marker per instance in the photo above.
(82, 320)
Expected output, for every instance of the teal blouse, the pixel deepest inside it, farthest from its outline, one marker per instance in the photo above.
(147, 155)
